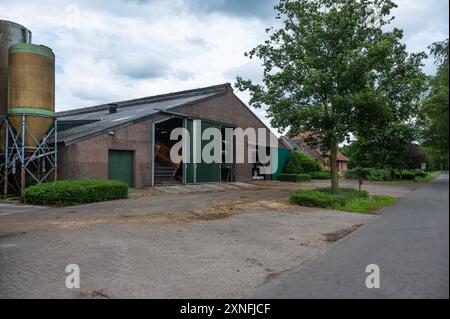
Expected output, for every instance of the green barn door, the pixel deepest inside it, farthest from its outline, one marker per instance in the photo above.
(208, 172)
(200, 172)
(120, 166)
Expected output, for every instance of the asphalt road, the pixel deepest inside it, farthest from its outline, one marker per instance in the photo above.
(409, 242)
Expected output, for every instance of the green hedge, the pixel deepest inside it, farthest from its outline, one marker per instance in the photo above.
(373, 174)
(295, 177)
(320, 175)
(347, 199)
(65, 193)
(408, 175)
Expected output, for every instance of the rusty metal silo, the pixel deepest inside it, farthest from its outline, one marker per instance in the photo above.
(31, 90)
(10, 33)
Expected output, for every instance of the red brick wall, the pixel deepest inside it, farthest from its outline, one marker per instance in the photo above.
(89, 158)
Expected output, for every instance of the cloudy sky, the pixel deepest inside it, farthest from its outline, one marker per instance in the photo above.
(114, 50)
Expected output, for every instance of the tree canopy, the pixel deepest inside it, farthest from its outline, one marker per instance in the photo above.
(433, 118)
(334, 68)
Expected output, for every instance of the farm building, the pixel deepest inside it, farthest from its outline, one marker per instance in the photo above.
(130, 140)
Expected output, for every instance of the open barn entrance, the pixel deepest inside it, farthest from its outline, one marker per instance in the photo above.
(166, 171)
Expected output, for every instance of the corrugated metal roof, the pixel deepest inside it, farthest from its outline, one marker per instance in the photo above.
(129, 112)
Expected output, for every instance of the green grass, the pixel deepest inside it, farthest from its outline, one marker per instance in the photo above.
(348, 199)
(368, 204)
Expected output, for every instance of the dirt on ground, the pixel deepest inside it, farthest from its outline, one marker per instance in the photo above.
(341, 233)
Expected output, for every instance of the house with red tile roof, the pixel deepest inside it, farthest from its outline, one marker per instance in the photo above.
(301, 142)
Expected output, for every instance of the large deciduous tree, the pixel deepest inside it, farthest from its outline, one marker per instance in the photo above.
(433, 117)
(334, 68)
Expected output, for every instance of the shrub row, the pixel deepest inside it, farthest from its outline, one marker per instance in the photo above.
(373, 174)
(295, 177)
(409, 175)
(64, 193)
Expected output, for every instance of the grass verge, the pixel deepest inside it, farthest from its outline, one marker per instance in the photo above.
(348, 199)
(427, 178)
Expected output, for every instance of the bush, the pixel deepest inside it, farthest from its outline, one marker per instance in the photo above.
(379, 175)
(421, 174)
(311, 198)
(65, 193)
(299, 163)
(320, 175)
(295, 177)
(347, 199)
(408, 175)
(309, 164)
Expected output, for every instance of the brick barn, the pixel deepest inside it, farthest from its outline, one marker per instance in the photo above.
(130, 140)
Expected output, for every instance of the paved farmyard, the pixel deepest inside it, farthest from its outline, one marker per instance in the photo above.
(202, 245)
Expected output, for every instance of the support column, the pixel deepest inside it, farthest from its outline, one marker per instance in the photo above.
(22, 160)
(5, 181)
(56, 150)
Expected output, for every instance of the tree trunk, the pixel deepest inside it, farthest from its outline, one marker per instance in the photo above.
(333, 166)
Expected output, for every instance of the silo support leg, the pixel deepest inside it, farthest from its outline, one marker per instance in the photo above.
(22, 180)
(5, 186)
(5, 183)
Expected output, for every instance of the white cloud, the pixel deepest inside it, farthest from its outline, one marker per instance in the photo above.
(123, 49)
